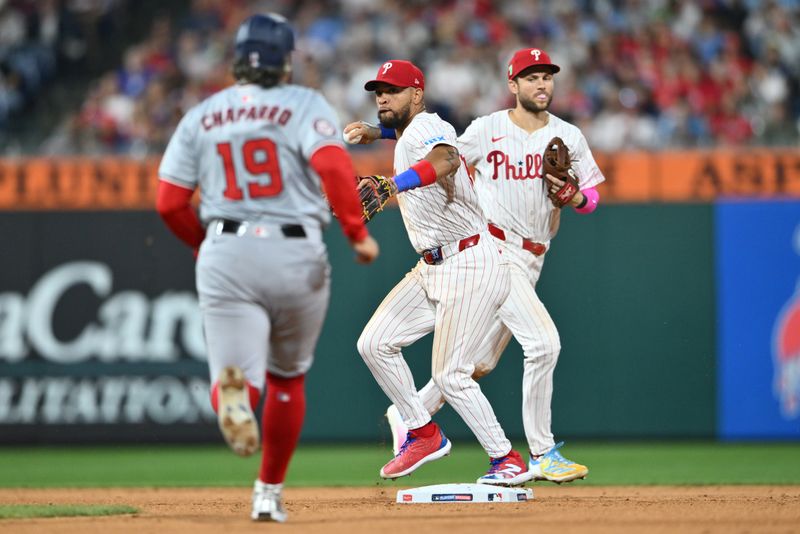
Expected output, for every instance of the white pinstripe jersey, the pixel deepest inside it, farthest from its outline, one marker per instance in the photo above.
(247, 147)
(447, 210)
(508, 167)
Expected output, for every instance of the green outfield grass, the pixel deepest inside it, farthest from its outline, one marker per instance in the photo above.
(25, 511)
(358, 465)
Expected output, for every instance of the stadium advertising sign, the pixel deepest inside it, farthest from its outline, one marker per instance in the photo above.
(758, 287)
(669, 176)
(91, 334)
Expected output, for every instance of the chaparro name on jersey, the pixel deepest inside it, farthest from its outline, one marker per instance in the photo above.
(273, 114)
(527, 169)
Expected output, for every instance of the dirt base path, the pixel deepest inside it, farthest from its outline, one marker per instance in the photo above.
(561, 509)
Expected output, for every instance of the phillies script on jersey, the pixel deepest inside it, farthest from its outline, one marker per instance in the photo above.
(527, 169)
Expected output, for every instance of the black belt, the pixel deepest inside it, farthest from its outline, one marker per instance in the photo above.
(288, 230)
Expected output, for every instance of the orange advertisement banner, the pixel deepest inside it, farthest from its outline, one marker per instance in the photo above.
(746, 173)
(675, 176)
(78, 183)
(700, 176)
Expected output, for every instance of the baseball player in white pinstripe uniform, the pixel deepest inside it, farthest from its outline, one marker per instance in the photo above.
(506, 150)
(261, 151)
(455, 290)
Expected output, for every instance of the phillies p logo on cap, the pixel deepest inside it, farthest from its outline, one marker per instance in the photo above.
(399, 73)
(530, 57)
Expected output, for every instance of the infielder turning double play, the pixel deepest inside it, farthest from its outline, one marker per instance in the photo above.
(506, 150)
(454, 290)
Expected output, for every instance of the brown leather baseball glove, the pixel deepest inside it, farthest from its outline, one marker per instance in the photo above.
(374, 192)
(556, 161)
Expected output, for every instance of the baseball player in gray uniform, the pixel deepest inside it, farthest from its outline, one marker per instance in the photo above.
(505, 149)
(261, 151)
(454, 290)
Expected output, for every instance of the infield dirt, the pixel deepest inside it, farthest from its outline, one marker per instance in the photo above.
(563, 509)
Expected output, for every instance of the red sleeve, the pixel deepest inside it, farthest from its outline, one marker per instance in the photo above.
(173, 204)
(334, 166)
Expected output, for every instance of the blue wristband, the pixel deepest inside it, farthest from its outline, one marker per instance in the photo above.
(387, 133)
(407, 180)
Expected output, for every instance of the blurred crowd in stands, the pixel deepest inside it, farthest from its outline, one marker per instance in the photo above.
(635, 74)
(42, 39)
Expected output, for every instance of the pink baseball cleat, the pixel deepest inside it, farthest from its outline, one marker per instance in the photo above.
(416, 451)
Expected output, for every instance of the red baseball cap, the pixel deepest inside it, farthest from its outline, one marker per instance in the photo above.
(399, 73)
(529, 57)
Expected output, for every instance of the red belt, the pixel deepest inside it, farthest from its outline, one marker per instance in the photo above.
(537, 249)
(435, 256)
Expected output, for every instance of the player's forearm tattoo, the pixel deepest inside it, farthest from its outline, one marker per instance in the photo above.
(451, 157)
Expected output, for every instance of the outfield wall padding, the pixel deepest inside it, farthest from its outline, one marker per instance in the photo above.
(100, 338)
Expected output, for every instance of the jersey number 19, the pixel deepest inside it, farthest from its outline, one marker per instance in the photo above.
(266, 164)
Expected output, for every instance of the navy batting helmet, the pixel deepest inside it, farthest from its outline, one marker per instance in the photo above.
(264, 41)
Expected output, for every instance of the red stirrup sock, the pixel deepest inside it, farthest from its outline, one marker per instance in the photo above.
(255, 396)
(284, 411)
(425, 431)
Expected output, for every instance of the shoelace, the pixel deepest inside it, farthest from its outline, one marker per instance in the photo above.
(556, 456)
(409, 440)
(496, 463)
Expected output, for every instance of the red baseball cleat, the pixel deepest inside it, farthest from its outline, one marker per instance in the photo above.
(510, 470)
(416, 451)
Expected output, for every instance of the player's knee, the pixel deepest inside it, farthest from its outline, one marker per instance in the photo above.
(551, 353)
(363, 346)
(482, 369)
(439, 380)
(542, 351)
(555, 349)
(550, 358)
(450, 382)
(369, 344)
(543, 359)
(555, 345)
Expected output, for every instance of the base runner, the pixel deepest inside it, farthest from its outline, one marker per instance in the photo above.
(260, 151)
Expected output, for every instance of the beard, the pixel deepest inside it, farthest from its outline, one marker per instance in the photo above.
(534, 106)
(395, 120)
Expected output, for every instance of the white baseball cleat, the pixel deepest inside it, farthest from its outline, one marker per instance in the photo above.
(235, 416)
(398, 428)
(267, 505)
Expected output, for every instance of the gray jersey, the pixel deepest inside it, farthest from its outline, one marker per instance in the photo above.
(247, 148)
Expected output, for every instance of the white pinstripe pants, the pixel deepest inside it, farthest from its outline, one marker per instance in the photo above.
(457, 300)
(524, 315)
